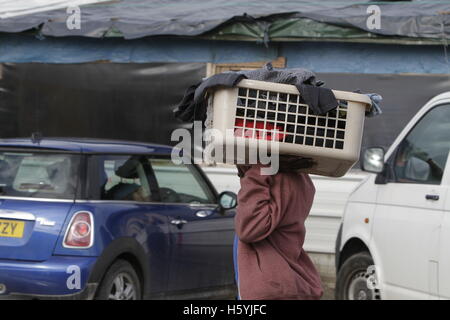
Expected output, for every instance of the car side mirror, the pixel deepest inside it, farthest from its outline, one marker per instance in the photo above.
(417, 169)
(373, 160)
(227, 200)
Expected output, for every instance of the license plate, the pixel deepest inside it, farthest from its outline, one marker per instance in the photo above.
(11, 228)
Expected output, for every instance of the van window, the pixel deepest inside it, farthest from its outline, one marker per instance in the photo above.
(422, 155)
(38, 175)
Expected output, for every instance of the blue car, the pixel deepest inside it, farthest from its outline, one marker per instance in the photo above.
(103, 219)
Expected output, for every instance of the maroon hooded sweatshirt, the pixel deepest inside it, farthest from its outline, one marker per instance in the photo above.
(270, 225)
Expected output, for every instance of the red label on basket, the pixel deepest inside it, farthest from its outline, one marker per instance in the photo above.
(258, 130)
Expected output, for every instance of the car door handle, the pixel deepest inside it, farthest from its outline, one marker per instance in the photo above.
(178, 222)
(203, 213)
(433, 197)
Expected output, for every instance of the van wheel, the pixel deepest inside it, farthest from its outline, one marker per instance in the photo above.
(355, 279)
(120, 283)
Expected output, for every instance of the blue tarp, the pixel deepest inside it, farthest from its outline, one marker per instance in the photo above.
(317, 56)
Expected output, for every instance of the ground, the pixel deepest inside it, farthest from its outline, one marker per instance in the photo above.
(324, 262)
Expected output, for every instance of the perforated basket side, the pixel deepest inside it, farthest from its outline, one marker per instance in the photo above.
(255, 109)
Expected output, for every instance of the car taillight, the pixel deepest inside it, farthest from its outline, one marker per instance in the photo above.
(80, 233)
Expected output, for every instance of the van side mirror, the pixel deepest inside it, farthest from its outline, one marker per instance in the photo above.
(373, 160)
(227, 200)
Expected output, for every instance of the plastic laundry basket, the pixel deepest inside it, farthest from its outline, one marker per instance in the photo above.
(254, 109)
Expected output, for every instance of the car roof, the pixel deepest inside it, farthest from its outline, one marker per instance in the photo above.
(87, 145)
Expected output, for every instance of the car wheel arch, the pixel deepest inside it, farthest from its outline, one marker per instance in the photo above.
(127, 249)
(351, 247)
(137, 266)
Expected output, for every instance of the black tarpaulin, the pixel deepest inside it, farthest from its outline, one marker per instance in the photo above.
(135, 19)
(135, 101)
(101, 100)
(403, 95)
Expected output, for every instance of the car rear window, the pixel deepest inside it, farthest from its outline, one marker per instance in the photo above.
(38, 175)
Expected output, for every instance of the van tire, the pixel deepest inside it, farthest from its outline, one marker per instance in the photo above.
(351, 281)
(120, 282)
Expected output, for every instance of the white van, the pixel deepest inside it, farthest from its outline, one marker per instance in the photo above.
(394, 241)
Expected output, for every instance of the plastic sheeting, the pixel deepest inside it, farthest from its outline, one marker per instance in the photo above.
(320, 57)
(22, 48)
(135, 19)
(293, 28)
(403, 95)
(135, 101)
(100, 100)
(14, 8)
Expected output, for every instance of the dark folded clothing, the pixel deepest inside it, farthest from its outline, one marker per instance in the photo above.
(226, 79)
(193, 105)
(185, 109)
(320, 100)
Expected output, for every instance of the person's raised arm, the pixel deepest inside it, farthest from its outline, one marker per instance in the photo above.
(258, 214)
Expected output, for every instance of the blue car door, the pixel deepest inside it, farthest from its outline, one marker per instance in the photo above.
(202, 235)
(130, 207)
